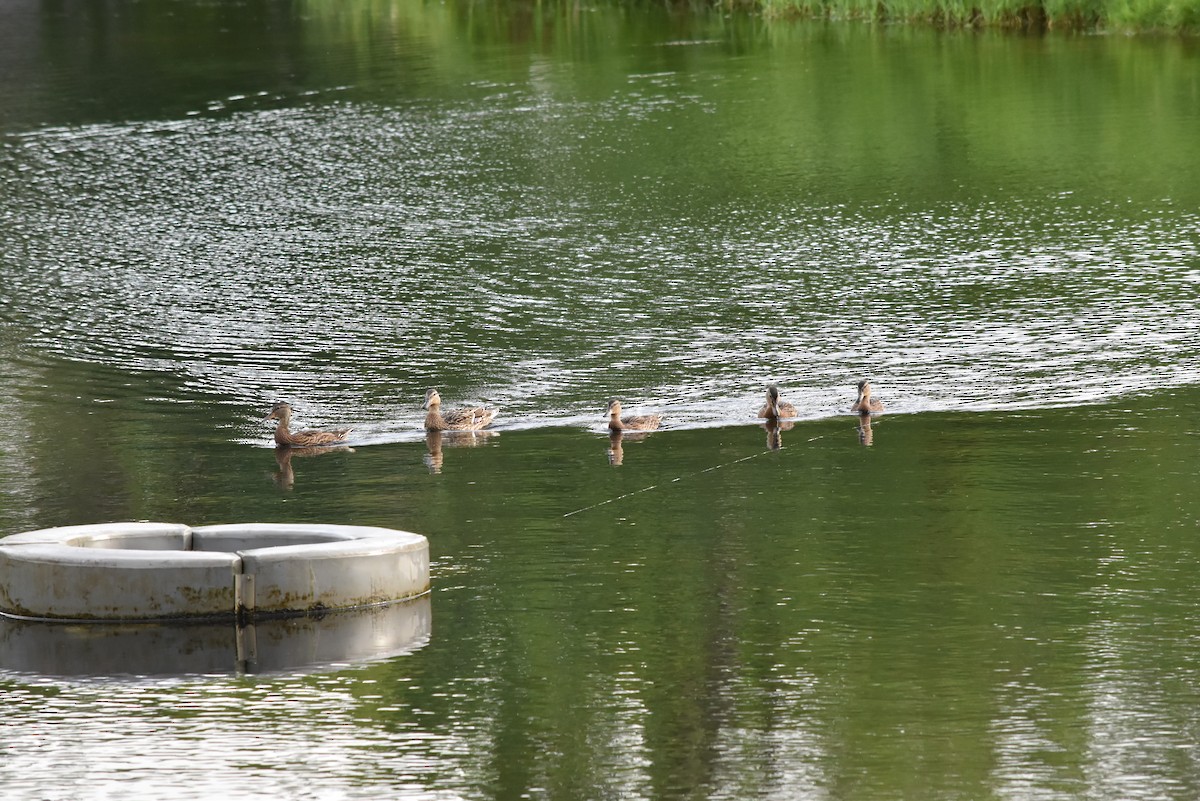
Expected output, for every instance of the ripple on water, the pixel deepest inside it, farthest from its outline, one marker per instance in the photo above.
(287, 738)
(350, 255)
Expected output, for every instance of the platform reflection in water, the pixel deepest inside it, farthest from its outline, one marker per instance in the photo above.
(290, 645)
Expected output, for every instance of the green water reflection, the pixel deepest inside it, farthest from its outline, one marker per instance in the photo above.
(929, 110)
(204, 207)
(976, 605)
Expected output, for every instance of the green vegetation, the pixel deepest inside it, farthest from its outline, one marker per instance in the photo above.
(1177, 16)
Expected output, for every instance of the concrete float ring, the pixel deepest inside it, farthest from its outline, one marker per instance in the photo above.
(169, 571)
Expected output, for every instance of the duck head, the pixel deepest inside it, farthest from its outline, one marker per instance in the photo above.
(280, 411)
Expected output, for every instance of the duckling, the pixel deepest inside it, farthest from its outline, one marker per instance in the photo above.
(865, 403)
(301, 439)
(455, 419)
(774, 409)
(642, 422)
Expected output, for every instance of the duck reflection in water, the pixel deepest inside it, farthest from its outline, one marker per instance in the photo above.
(436, 440)
(865, 436)
(616, 440)
(284, 454)
(775, 430)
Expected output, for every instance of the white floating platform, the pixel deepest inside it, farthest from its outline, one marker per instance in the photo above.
(167, 571)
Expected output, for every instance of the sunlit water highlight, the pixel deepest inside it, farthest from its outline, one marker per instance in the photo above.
(343, 204)
(346, 255)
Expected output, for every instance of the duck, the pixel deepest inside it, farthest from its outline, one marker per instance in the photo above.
(306, 438)
(865, 403)
(455, 419)
(638, 422)
(774, 409)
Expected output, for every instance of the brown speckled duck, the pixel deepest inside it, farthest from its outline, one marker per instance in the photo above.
(774, 409)
(639, 422)
(865, 403)
(306, 438)
(454, 419)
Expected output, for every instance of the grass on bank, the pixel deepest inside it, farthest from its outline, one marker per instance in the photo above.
(1177, 16)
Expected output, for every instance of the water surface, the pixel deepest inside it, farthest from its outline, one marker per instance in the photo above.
(990, 594)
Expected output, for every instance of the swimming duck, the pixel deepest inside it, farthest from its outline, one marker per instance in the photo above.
(455, 419)
(865, 403)
(774, 409)
(640, 422)
(301, 439)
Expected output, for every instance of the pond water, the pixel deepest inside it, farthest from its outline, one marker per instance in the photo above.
(989, 593)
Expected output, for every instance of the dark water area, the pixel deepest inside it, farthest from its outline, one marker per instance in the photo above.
(545, 211)
(988, 592)
(1005, 599)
